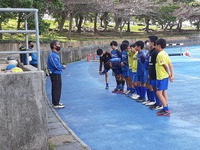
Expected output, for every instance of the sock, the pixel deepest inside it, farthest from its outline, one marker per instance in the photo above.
(140, 90)
(148, 94)
(166, 108)
(158, 102)
(133, 90)
(123, 83)
(137, 90)
(143, 91)
(106, 84)
(152, 96)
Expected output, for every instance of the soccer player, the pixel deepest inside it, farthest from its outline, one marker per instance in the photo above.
(141, 71)
(115, 65)
(115, 53)
(164, 72)
(104, 57)
(125, 67)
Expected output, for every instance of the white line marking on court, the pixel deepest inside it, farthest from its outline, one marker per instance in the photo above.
(187, 76)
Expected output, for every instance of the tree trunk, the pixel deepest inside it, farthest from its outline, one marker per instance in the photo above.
(1, 35)
(62, 21)
(101, 22)
(121, 28)
(128, 27)
(80, 23)
(198, 25)
(105, 20)
(70, 26)
(19, 21)
(179, 26)
(147, 19)
(95, 23)
(118, 21)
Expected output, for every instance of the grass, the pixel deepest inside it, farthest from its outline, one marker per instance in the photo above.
(84, 36)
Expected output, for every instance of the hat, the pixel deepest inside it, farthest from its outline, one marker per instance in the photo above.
(153, 38)
(10, 66)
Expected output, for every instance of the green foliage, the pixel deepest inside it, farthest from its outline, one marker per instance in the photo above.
(165, 14)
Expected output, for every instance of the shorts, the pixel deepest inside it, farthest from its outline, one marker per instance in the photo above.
(153, 83)
(117, 72)
(126, 73)
(134, 77)
(162, 85)
(142, 79)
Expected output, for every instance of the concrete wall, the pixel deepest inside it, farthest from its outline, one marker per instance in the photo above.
(23, 124)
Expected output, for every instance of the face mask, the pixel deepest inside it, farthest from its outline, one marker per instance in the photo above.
(148, 45)
(31, 46)
(58, 48)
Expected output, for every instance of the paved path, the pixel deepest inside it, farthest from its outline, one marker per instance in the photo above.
(106, 121)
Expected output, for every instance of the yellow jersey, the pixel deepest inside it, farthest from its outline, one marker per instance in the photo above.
(130, 60)
(134, 63)
(162, 58)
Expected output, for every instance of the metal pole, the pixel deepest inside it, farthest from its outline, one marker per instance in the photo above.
(37, 40)
(27, 54)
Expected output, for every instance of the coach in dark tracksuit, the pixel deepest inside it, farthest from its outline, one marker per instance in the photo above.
(55, 67)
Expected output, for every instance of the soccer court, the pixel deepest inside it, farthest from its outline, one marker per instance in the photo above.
(106, 121)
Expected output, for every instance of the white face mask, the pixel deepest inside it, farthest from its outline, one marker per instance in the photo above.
(147, 45)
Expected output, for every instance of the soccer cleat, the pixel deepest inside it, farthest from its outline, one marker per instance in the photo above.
(58, 106)
(163, 113)
(146, 102)
(156, 107)
(150, 103)
(115, 91)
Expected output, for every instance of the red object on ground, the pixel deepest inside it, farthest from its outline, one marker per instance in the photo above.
(88, 57)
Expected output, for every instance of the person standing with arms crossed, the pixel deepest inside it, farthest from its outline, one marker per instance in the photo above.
(55, 67)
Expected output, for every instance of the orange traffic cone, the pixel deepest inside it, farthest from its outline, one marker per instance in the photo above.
(88, 57)
(187, 53)
(94, 56)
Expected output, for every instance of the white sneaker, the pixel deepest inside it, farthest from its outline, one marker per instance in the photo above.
(58, 106)
(135, 96)
(150, 103)
(124, 92)
(146, 102)
(127, 92)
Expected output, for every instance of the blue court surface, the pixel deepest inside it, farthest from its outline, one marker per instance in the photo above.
(106, 121)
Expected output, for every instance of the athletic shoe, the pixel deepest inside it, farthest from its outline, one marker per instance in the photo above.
(58, 106)
(120, 92)
(107, 87)
(150, 103)
(61, 104)
(140, 100)
(124, 92)
(135, 96)
(156, 107)
(163, 113)
(146, 102)
(115, 91)
(127, 92)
